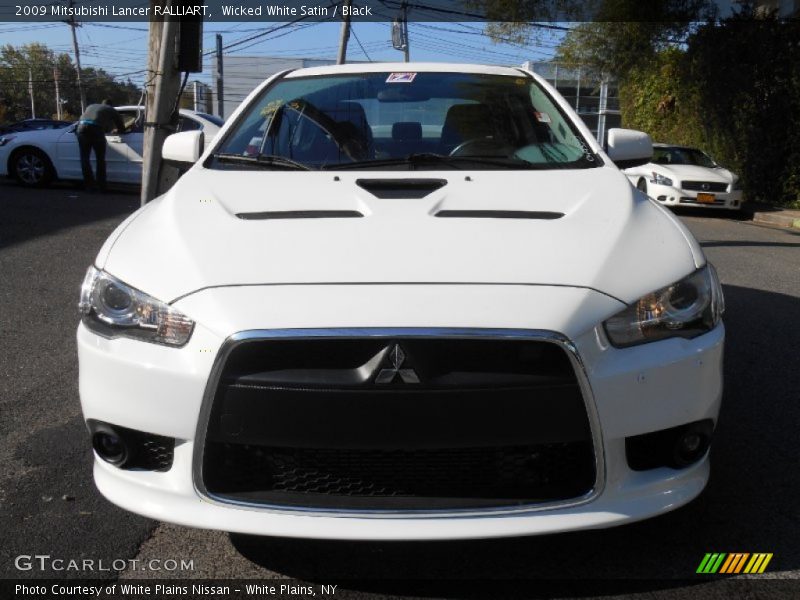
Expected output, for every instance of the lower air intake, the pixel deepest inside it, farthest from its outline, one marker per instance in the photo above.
(430, 478)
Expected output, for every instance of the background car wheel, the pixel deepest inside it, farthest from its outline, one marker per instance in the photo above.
(31, 167)
(641, 185)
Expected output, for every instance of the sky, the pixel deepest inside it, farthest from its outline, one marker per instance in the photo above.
(121, 48)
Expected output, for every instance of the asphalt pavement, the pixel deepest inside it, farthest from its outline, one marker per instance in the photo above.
(48, 503)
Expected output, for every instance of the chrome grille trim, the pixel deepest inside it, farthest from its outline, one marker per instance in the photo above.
(463, 333)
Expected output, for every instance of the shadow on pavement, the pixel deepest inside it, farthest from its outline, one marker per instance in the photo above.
(748, 243)
(714, 213)
(750, 504)
(29, 213)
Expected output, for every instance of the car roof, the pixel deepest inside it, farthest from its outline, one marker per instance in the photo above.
(402, 67)
(183, 111)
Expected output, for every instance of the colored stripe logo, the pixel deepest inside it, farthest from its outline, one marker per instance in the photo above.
(734, 562)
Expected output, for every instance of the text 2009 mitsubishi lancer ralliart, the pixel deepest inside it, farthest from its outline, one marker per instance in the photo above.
(402, 301)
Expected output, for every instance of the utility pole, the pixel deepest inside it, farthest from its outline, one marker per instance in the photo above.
(195, 99)
(163, 85)
(30, 91)
(71, 22)
(58, 94)
(406, 52)
(220, 96)
(345, 35)
(400, 32)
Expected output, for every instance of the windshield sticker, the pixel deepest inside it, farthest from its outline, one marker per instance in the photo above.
(400, 77)
(542, 117)
(587, 152)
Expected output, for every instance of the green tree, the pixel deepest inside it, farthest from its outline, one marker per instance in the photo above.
(730, 86)
(734, 90)
(613, 36)
(36, 62)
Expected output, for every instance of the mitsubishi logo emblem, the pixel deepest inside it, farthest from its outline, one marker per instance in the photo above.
(706, 187)
(395, 370)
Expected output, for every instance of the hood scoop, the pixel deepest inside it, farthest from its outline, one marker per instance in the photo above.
(500, 214)
(407, 189)
(300, 214)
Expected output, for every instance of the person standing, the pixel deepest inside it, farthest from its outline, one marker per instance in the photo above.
(95, 122)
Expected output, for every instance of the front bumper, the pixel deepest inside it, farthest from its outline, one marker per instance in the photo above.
(673, 196)
(631, 391)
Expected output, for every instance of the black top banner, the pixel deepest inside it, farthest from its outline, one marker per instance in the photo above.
(541, 11)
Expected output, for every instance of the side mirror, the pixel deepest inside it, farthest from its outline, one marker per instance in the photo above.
(183, 148)
(629, 148)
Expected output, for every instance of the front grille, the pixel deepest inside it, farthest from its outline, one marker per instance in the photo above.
(704, 186)
(401, 423)
(430, 478)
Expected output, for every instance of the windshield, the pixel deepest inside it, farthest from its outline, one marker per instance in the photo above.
(420, 120)
(682, 156)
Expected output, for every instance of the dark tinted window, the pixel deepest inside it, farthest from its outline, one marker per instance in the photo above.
(185, 124)
(682, 156)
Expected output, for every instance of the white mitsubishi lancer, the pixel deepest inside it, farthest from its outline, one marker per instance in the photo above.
(402, 301)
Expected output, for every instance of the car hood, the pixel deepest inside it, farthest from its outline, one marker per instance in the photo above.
(610, 238)
(695, 173)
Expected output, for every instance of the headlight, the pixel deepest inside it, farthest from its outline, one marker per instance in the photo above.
(114, 309)
(686, 309)
(660, 179)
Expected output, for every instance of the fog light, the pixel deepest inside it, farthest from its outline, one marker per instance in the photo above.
(131, 449)
(689, 448)
(110, 447)
(677, 447)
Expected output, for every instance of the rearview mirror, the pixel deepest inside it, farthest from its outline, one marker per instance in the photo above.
(403, 93)
(629, 148)
(183, 148)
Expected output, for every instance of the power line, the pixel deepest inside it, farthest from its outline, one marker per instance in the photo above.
(262, 34)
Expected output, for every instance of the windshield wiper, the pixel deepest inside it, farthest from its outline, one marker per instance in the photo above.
(427, 158)
(262, 160)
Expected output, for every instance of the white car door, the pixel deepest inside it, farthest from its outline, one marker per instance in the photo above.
(67, 155)
(68, 161)
(127, 149)
(135, 142)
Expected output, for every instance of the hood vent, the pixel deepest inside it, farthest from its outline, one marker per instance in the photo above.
(500, 214)
(300, 214)
(406, 189)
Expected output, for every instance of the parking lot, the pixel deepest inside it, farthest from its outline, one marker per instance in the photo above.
(49, 504)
